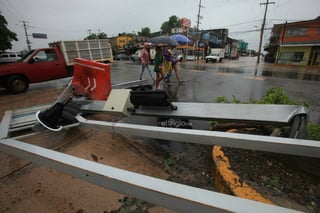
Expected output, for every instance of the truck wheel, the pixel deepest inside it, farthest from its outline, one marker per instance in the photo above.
(17, 84)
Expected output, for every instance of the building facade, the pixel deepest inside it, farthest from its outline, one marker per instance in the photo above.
(123, 40)
(296, 43)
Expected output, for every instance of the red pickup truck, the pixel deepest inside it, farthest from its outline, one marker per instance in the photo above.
(52, 63)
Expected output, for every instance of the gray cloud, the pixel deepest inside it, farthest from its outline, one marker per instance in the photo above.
(71, 19)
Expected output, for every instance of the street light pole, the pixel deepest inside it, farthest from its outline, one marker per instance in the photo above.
(262, 28)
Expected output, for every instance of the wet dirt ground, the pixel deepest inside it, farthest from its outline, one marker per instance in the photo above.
(28, 187)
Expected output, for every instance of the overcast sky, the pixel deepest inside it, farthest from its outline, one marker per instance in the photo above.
(72, 19)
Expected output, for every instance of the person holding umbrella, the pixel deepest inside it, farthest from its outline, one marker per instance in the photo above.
(158, 66)
(145, 60)
(173, 62)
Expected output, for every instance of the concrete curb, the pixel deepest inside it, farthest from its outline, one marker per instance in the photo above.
(228, 182)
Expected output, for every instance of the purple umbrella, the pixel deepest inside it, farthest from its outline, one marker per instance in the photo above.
(181, 38)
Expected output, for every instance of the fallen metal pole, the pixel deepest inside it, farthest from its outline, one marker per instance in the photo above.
(172, 195)
(24, 118)
(307, 148)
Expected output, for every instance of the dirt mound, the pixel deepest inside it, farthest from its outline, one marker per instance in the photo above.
(277, 177)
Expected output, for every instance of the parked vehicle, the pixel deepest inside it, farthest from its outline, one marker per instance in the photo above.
(9, 57)
(215, 55)
(192, 54)
(180, 57)
(51, 63)
(121, 56)
(136, 56)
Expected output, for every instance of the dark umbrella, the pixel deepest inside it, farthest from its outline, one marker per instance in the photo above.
(163, 41)
(181, 38)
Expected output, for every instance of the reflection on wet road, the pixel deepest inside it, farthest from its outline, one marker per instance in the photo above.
(292, 75)
(193, 66)
(249, 68)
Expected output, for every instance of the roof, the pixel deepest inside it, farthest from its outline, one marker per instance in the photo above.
(300, 44)
(298, 22)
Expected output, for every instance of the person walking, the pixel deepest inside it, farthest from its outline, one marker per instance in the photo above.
(145, 61)
(173, 61)
(158, 66)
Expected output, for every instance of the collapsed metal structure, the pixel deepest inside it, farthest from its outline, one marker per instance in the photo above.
(88, 93)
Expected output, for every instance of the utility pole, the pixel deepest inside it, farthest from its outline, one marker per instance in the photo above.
(27, 36)
(262, 27)
(199, 16)
(198, 23)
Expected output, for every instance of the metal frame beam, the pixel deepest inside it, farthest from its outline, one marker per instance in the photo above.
(308, 148)
(165, 193)
(24, 118)
(253, 113)
(5, 124)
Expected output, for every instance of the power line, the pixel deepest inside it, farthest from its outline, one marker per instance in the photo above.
(250, 31)
(242, 23)
(58, 30)
(11, 10)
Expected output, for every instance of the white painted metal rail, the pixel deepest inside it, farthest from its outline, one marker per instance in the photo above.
(168, 194)
(308, 148)
(254, 113)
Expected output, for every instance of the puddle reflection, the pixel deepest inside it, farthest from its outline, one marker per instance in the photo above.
(292, 75)
(197, 67)
(230, 70)
(251, 70)
(172, 91)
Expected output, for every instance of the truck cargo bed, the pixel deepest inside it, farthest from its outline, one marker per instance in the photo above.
(97, 50)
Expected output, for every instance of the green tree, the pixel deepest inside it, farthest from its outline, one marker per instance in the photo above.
(115, 49)
(253, 53)
(6, 36)
(173, 22)
(145, 32)
(101, 35)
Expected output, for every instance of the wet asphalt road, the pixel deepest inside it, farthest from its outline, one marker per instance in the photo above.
(204, 82)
